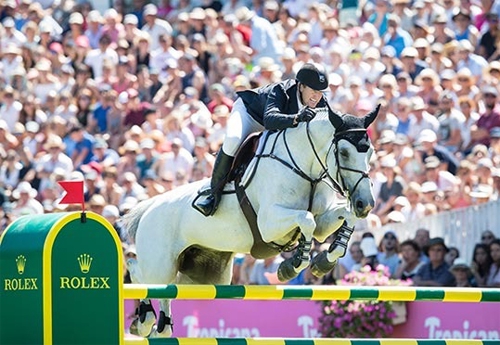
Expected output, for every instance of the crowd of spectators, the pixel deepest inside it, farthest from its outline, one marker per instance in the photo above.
(134, 100)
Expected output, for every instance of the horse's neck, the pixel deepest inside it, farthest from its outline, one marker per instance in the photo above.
(301, 146)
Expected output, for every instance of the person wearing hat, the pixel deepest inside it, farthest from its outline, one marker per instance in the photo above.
(463, 273)
(388, 256)
(94, 28)
(272, 107)
(476, 63)
(488, 43)
(421, 119)
(488, 119)
(217, 95)
(155, 26)
(147, 158)
(436, 272)
(25, 203)
(428, 146)
(264, 39)
(391, 188)
(53, 158)
(463, 27)
(11, 108)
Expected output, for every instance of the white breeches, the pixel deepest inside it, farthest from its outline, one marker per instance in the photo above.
(239, 126)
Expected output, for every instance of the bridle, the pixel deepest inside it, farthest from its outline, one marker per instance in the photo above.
(338, 187)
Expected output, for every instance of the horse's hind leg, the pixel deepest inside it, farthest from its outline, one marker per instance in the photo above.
(146, 313)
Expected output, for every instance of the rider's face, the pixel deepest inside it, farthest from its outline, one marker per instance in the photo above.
(310, 97)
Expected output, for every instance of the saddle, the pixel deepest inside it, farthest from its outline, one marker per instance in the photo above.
(244, 156)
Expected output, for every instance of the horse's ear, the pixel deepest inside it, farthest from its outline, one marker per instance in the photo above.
(370, 117)
(335, 118)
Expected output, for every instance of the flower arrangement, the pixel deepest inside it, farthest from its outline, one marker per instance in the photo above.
(360, 319)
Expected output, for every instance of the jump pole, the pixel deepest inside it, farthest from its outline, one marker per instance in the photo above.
(312, 292)
(312, 341)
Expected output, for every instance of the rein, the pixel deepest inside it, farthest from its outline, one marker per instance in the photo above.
(338, 187)
(260, 248)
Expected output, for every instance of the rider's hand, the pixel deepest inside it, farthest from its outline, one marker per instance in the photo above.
(307, 114)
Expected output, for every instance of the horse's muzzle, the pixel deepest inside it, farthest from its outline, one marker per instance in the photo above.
(362, 208)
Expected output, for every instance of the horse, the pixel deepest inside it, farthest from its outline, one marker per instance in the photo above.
(294, 182)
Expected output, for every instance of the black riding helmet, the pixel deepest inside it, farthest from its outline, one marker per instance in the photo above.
(313, 75)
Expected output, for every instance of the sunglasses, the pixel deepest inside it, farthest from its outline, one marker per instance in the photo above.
(389, 237)
(487, 237)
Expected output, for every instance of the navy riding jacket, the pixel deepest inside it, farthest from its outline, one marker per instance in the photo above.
(275, 105)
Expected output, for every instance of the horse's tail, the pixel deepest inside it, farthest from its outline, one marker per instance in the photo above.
(133, 217)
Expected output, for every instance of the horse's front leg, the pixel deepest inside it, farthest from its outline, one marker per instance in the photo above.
(336, 220)
(275, 223)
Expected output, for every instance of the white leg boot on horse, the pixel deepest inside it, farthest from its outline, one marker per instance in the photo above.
(208, 205)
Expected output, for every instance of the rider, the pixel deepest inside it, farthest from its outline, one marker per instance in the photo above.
(273, 107)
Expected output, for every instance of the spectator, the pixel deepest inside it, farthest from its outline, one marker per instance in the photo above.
(487, 237)
(111, 190)
(179, 160)
(154, 26)
(370, 253)
(263, 41)
(410, 260)
(263, 266)
(493, 279)
(481, 263)
(347, 263)
(25, 203)
(436, 272)
(452, 254)
(97, 203)
(463, 274)
(83, 143)
(388, 254)
(490, 118)
(390, 189)
(96, 58)
(148, 157)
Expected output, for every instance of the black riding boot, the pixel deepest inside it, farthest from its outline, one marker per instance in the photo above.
(208, 205)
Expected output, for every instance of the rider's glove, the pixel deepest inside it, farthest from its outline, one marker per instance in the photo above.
(307, 114)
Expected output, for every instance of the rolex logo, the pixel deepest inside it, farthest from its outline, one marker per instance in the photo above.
(20, 263)
(85, 260)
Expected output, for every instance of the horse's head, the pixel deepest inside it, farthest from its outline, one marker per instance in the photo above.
(352, 152)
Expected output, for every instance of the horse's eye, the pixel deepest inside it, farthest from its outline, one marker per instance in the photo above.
(344, 153)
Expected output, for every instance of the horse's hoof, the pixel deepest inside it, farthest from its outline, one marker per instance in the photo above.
(145, 329)
(286, 271)
(133, 327)
(167, 332)
(320, 265)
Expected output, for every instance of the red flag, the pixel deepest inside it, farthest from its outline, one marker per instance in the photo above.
(74, 192)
